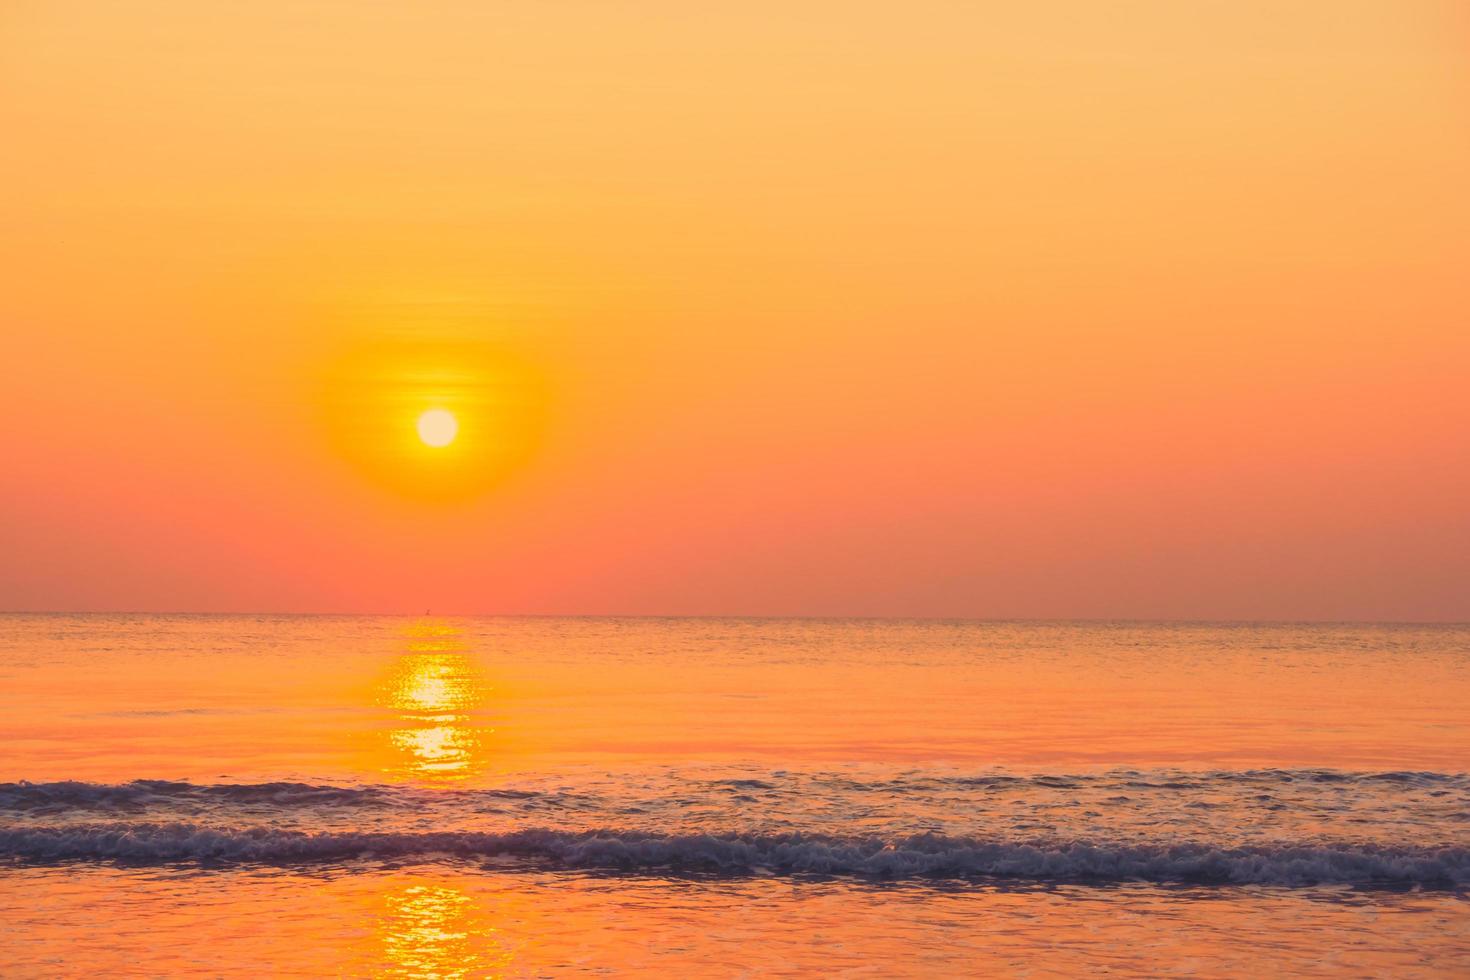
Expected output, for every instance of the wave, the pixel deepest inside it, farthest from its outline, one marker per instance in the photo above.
(142, 794)
(915, 857)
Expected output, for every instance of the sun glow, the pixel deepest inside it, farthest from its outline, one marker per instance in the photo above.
(438, 421)
(438, 427)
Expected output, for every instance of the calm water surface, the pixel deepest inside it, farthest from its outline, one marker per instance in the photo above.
(471, 797)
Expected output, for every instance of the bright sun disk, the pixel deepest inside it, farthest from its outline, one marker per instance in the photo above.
(438, 427)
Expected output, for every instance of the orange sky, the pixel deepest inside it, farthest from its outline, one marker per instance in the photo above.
(1142, 309)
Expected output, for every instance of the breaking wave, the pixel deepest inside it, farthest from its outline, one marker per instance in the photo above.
(915, 857)
(141, 794)
(1268, 827)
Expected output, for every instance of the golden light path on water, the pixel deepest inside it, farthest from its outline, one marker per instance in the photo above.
(436, 691)
(433, 928)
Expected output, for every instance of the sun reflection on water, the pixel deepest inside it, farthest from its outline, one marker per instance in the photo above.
(434, 930)
(436, 691)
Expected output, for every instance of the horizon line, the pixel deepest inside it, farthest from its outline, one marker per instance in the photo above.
(1095, 620)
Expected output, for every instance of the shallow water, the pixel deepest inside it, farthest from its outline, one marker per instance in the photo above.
(359, 796)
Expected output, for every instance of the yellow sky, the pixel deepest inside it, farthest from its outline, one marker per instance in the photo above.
(1047, 309)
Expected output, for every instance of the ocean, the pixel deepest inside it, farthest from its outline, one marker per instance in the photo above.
(467, 797)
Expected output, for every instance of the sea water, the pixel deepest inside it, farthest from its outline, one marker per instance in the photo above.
(238, 795)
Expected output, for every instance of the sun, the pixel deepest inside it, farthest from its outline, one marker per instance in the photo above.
(433, 421)
(438, 427)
